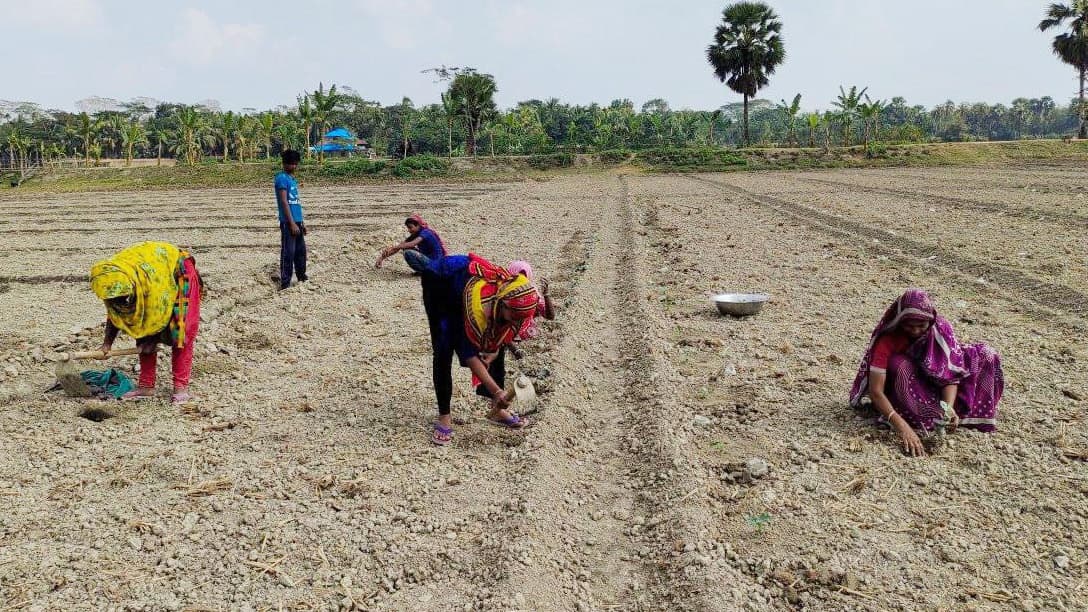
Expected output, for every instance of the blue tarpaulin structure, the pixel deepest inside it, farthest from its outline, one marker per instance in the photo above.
(339, 140)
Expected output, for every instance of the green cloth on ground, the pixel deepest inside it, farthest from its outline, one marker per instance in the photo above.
(110, 382)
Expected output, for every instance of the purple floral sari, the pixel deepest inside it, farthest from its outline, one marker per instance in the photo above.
(934, 361)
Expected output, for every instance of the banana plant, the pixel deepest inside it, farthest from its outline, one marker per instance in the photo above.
(848, 103)
(789, 113)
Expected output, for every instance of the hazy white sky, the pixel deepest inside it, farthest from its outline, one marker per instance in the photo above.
(260, 54)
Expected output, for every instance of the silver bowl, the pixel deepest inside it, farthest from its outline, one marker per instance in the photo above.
(740, 304)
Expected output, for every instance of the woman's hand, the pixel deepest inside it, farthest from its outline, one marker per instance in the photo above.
(544, 287)
(381, 258)
(487, 358)
(501, 400)
(953, 421)
(105, 349)
(912, 444)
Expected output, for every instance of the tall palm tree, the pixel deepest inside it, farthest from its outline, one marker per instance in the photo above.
(450, 110)
(747, 49)
(224, 131)
(306, 117)
(790, 112)
(325, 104)
(847, 103)
(86, 128)
(473, 97)
(133, 135)
(191, 134)
(267, 123)
(160, 136)
(869, 112)
(1072, 45)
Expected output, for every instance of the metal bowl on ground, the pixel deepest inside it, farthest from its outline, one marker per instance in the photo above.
(740, 304)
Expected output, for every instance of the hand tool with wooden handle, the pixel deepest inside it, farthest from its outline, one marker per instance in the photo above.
(68, 375)
(97, 354)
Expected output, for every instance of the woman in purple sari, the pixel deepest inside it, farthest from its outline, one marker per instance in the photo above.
(919, 378)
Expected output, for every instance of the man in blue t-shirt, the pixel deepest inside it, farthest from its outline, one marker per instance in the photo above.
(292, 229)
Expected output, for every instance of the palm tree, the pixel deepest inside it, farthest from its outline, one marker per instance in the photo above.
(191, 134)
(473, 98)
(790, 112)
(813, 121)
(133, 134)
(747, 49)
(870, 117)
(160, 136)
(86, 128)
(17, 146)
(325, 103)
(224, 131)
(847, 103)
(1072, 45)
(715, 117)
(267, 124)
(306, 116)
(450, 111)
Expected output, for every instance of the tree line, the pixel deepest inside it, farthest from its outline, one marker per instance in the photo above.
(193, 134)
(746, 48)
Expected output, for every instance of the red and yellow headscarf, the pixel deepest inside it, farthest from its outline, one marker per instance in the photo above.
(489, 286)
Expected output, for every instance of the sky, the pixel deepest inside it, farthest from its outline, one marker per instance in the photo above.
(261, 54)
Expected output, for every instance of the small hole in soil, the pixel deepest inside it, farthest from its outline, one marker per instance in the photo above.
(96, 414)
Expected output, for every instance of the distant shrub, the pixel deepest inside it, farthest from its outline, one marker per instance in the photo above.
(421, 165)
(876, 150)
(551, 160)
(690, 160)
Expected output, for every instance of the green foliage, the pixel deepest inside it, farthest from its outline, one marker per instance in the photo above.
(421, 165)
(876, 150)
(553, 160)
(690, 160)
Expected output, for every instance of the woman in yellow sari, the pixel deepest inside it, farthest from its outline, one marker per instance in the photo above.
(152, 292)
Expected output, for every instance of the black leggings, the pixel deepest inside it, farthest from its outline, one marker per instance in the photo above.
(441, 347)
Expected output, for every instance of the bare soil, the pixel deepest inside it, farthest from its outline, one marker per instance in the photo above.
(681, 460)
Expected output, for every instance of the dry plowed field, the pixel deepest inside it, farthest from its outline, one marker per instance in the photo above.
(680, 460)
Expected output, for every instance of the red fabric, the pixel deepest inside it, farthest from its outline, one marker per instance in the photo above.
(891, 343)
(181, 359)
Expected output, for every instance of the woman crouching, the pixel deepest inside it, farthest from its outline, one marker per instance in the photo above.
(920, 379)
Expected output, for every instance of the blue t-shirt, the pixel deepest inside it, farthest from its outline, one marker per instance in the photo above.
(286, 181)
(429, 244)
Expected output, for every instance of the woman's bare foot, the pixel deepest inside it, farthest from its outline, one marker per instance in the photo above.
(139, 393)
